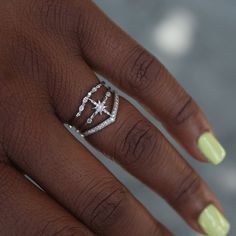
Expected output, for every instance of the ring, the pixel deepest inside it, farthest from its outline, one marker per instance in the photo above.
(99, 109)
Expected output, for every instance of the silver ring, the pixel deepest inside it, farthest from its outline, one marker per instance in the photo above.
(98, 109)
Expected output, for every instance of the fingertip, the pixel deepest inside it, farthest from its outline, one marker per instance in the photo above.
(211, 148)
(213, 222)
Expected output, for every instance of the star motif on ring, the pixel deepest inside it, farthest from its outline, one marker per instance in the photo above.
(100, 107)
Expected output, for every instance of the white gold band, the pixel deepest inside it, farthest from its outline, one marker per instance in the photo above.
(99, 109)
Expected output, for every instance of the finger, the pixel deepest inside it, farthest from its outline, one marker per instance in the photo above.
(39, 144)
(114, 54)
(140, 148)
(27, 211)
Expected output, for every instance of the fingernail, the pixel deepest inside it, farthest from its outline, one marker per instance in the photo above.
(211, 148)
(213, 222)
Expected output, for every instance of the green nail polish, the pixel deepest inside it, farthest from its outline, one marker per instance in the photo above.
(211, 148)
(213, 222)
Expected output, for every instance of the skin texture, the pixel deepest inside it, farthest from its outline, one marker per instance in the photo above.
(49, 53)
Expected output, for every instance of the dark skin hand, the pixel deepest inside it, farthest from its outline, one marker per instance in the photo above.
(49, 53)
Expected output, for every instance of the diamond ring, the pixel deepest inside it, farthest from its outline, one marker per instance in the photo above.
(99, 108)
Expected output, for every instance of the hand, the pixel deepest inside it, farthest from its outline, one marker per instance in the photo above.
(49, 53)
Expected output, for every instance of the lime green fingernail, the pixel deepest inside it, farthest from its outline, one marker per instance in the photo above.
(211, 148)
(213, 222)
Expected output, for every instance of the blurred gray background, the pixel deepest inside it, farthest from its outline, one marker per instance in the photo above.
(196, 41)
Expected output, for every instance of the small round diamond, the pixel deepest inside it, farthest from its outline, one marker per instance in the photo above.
(89, 120)
(108, 94)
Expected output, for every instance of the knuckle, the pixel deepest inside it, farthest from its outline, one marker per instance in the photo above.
(61, 227)
(187, 187)
(138, 143)
(106, 206)
(185, 110)
(68, 231)
(142, 70)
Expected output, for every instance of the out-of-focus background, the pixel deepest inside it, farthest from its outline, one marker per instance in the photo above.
(196, 40)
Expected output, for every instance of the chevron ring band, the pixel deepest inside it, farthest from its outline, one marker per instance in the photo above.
(99, 108)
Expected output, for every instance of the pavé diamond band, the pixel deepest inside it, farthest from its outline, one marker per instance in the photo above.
(99, 109)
